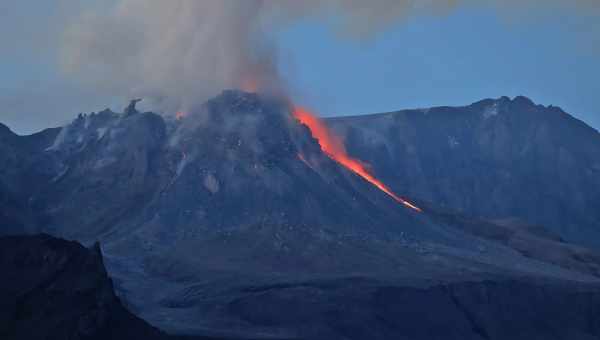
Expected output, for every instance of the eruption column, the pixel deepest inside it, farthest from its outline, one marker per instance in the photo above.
(333, 147)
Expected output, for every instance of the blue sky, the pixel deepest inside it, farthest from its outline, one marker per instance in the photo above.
(454, 59)
(451, 60)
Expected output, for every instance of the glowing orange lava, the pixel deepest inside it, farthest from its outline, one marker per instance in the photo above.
(180, 115)
(333, 147)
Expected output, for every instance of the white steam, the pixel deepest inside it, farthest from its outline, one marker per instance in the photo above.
(176, 52)
(181, 52)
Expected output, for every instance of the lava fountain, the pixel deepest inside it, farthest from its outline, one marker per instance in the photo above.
(333, 147)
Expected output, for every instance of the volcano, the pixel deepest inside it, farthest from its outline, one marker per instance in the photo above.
(238, 220)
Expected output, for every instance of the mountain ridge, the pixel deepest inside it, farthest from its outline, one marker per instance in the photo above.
(235, 206)
(518, 143)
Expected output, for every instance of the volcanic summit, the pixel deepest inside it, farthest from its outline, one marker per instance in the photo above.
(242, 203)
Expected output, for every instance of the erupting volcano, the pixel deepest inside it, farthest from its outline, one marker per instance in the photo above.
(333, 147)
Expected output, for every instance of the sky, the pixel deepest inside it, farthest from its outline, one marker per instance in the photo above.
(453, 58)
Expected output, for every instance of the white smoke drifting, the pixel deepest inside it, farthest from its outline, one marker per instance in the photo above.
(180, 52)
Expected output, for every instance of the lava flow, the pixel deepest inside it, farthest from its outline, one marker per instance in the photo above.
(333, 147)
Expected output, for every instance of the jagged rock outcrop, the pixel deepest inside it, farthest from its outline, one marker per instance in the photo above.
(56, 289)
(131, 108)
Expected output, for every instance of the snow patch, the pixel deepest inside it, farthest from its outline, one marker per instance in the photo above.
(211, 183)
(491, 111)
(175, 138)
(180, 167)
(101, 132)
(59, 140)
(60, 174)
(103, 162)
(182, 163)
(114, 133)
(453, 142)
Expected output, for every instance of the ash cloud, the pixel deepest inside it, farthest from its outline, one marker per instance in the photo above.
(181, 52)
(175, 52)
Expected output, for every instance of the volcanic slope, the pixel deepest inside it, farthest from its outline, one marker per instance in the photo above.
(235, 206)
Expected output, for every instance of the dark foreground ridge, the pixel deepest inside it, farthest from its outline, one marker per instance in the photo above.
(461, 311)
(56, 289)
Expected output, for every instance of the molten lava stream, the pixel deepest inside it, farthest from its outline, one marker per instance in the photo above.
(333, 147)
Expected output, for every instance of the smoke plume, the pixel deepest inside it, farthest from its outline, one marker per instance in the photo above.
(180, 52)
